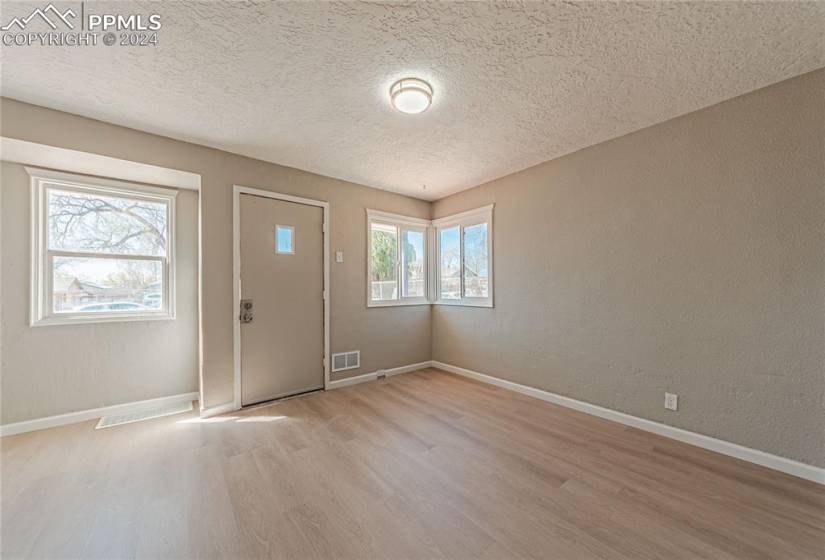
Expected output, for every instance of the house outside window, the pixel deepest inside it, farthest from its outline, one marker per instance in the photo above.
(101, 250)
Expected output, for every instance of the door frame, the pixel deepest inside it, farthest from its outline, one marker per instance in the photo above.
(237, 191)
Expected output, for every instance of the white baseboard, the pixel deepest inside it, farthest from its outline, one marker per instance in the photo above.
(91, 414)
(219, 409)
(352, 380)
(230, 407)
(408, 368)
(789, 466)
(374, 375)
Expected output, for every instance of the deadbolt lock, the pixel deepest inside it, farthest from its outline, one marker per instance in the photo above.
(246, 311)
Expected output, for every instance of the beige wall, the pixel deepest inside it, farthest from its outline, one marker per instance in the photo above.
(387, 337)
(686, 257)
(63, 368)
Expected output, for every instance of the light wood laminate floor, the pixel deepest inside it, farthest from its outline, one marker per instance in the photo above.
(422, 465)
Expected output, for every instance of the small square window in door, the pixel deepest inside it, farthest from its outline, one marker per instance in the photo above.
(285, 240)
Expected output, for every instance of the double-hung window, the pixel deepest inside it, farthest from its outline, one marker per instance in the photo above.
(397, 259)
(464, 258)
(448, 261)
(101, 250)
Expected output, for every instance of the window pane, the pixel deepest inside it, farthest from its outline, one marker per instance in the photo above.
(384, 258)
(413, 258)
(99, 285)
(284, 241)
(106, 224)
(475, 261)
(450, 265)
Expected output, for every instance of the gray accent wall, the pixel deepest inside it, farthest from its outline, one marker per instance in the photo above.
(688, 257)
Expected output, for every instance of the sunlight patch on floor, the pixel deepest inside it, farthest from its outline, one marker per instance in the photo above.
(227, 419)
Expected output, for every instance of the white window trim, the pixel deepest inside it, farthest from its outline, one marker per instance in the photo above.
(431, 228)
(40, 313)
(463, 219)
(403, 223)
(292, 239)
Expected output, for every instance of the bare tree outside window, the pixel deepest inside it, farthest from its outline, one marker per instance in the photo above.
(465, 258)
(102, 224)
(93, 237)
(450, 257)
(475, 261)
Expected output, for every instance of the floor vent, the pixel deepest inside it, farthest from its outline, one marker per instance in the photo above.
(145, 414)
(346, 360)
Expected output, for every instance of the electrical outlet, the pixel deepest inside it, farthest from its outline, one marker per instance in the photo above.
(671, 401)
(339, 256)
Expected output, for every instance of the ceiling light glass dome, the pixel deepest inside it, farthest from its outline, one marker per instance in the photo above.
(411, 95)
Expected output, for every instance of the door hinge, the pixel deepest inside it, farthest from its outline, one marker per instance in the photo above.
(324, 295)
(324, 228)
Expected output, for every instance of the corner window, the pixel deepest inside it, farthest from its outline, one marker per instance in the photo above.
(465, 258)
(397, 260)
(102, 250)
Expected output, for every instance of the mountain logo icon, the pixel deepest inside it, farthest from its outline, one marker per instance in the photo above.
(49, 14)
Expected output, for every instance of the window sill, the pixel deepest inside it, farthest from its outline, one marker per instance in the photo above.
(487, 304)
(54, 320)
(459, 303)
(397, 303)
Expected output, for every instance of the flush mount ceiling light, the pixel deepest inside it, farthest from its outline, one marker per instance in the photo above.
(411, 95)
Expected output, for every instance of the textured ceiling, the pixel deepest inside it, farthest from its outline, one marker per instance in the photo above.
(305, 84)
